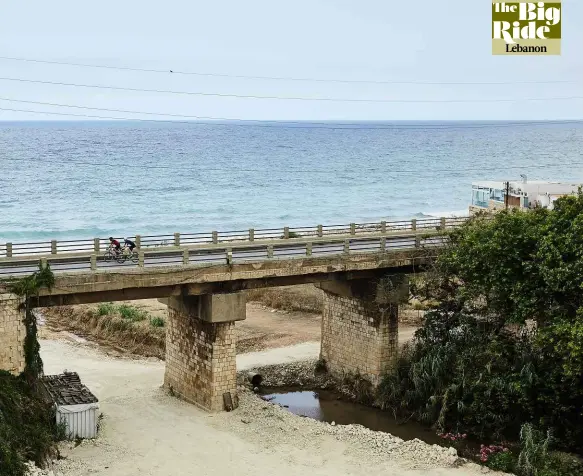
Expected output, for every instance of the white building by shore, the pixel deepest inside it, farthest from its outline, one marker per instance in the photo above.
(491, 195)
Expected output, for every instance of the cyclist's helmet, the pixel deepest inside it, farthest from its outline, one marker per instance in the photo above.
(111, 238)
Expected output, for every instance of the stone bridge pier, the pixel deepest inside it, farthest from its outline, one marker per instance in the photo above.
(360, 325)
(200, 348)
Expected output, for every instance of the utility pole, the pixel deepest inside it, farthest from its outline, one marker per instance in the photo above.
(506, 196)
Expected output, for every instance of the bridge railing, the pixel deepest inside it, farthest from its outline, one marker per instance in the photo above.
(233, 252)
(177, 240)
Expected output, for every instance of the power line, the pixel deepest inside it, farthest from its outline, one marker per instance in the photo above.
(425, 172)
(272, 123)
(276, 78)
(285, 98)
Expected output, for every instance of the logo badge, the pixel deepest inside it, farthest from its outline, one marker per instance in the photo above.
(526, 28)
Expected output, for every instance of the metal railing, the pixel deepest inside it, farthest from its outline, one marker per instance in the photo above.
(177, 240)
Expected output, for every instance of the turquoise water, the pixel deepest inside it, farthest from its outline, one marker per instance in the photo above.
(85, 179)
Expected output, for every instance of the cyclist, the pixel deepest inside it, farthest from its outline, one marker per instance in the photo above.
(129, 244)
(115, 245)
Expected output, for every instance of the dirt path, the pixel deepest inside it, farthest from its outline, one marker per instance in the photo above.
(148, 433)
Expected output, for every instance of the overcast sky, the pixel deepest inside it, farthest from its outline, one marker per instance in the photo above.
(382, 40)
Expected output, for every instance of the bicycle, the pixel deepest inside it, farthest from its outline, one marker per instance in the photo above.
(110, 254)
(126, 254)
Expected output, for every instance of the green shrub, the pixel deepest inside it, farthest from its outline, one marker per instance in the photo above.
(473, 366)
(562, 464)
(503, 461)
(28, 429)
(105, 309)
(157, 322)
(132, 313)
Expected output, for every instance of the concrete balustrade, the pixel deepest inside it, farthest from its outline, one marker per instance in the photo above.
(84, 246)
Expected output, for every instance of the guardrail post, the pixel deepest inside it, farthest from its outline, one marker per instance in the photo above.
(383, 244)
(286, 232)
(270, 251)
(251, 234)
(176, 239)
(138, 241)
(43, 263)
(383, 227)
(414, 224)
(215, 237)
(309, 249)
(9, 250)
(229, 256)
(185, 257)
(442, 223)
(93, 261)
(54, 247)
(320, 232)
(353, 228)
(346, 246)
(141, 259)
(417, 241)
(96, 245)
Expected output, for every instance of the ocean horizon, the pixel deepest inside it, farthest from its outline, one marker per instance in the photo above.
(81, 179)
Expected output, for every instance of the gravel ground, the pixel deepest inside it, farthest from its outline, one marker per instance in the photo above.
(257, 420)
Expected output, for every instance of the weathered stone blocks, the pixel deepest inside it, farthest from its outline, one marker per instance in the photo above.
(12, 333)
(201, 355)
(360, 328)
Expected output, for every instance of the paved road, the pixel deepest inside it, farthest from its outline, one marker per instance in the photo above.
(214, 256)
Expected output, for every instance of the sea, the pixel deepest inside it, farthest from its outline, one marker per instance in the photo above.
(68, 180)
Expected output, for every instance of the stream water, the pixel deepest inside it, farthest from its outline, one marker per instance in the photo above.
(324, 405)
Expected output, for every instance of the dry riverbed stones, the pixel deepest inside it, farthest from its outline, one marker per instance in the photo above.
(265, 423)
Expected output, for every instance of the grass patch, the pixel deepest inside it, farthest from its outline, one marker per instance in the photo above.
(157, 322)
(106, 308)
(132, 313)
(137, 337)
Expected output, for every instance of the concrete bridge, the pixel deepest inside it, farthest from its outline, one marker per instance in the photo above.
(362, 272)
